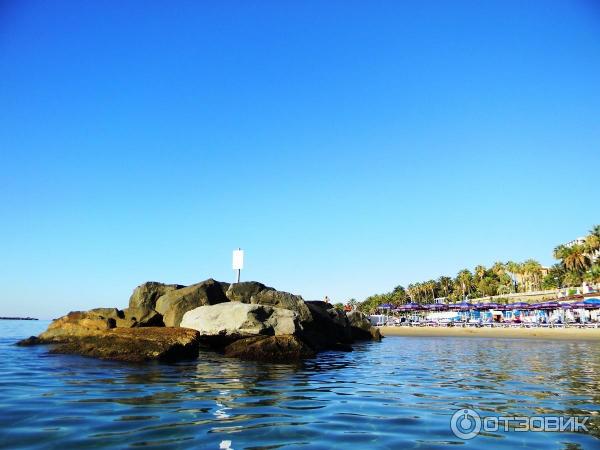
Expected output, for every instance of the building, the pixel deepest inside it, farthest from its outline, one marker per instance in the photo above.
(578, 241)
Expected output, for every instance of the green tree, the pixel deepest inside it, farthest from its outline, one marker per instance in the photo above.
(593, 275)
(464, 280)
(445, 284)
(573, 278)
(575, 258)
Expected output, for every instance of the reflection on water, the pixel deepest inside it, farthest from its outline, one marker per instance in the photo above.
(397, 394)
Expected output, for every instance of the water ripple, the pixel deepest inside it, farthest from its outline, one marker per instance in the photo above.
(397, 394)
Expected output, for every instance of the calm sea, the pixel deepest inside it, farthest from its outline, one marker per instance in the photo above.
(400, 393)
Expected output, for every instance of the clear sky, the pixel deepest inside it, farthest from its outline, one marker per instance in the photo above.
(347, 146)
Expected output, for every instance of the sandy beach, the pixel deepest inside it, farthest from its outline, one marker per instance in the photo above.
(590, 334)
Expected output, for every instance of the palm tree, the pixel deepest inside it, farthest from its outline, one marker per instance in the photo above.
(592, 244)
(464, 279)
(513, 269)
(480, 272)
(445, 283)
(560, 252)
(429, 287)
(532, 270)
(576, 259)
(498, 268)
(594, 274)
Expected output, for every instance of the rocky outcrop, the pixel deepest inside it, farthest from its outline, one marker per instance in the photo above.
(285, 300)
(328, 328)
(133, 344)
(224, 323)
(361, 327)
(285, 348)
(257, 293)
(139, 317)
(246, 320)
(243, 292)
(81, 323)
(146, 295)
(94, 321)
(174, 304)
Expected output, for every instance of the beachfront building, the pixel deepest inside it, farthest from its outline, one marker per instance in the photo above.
(577, 241)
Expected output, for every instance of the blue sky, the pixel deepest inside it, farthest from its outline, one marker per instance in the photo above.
(347, 146)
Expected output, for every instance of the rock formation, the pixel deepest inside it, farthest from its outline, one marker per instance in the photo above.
(286, 348)
(227, 322)
(175, 303)
(246, 320)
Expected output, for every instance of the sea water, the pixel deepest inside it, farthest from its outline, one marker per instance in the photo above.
(400, 393)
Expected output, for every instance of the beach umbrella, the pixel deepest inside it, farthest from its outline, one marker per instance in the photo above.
(385, 306)
(463, 306)
(410, 307)
(592, 303)
(566, 305)
(546, 305)
(436, 307)
(491, 305)
(579, 305)
(518, 305)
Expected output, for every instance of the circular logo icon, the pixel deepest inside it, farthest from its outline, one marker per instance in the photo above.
(465, 424)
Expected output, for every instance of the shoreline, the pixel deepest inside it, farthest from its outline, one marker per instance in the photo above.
(586, 334)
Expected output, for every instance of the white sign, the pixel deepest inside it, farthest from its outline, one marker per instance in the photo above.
(238, 259)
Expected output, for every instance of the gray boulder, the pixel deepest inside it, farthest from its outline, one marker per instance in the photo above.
(280, 299)
(175, 303)
(146, 295)
(226, 322)
(243, 292)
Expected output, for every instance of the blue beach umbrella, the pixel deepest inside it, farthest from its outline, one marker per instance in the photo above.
(592, 302)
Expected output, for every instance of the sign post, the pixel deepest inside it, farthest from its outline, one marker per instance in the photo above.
(238, 262)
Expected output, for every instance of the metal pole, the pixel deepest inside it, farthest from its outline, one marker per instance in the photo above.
(238, 275)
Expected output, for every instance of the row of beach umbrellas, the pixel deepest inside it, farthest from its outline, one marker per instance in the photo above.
(591, 303)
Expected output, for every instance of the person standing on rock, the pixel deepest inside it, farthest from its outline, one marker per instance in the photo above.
(326, 299)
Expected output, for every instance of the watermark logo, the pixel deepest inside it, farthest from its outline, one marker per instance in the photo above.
(467, 424)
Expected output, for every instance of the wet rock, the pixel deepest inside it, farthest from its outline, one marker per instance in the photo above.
(133, 344)
(31, 340)
(174, 304)
(284, 348)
